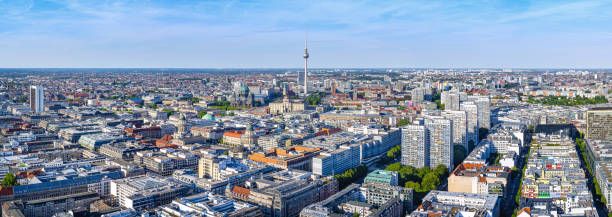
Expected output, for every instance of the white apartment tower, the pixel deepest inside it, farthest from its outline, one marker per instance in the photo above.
(459, 119)
(484, 110)
(472, 121)
(440, 141)
(415, 146)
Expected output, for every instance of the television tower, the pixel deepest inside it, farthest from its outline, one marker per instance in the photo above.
(306, 68)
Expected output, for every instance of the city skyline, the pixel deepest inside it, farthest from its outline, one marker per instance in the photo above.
(254, 34)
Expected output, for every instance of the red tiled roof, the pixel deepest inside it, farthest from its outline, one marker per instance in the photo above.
(241, 191)
(6, 191)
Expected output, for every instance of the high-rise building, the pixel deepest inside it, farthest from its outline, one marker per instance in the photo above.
(459, 119)
(209, 166)
(471, 110)
(300, 79)
(37, 99)
(337, 161)
(450, 99)
(484, 110)
(599, 124)
(415, 146)
(418, 95)
(440, 141)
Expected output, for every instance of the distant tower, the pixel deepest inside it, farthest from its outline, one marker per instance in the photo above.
(181, 128)
(333, 89)
(306, 68)
(37, 99)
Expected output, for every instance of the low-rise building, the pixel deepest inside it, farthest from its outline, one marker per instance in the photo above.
(208, 204)
(444, 203)
(145, 192)
(479, 179)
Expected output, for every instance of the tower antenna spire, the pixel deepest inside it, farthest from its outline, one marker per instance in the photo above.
(306, 55)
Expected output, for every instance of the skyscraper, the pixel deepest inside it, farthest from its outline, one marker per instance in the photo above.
(484, 110)
(472, 121)
(599, 124)
(37, 99)
(415, 146)
(450, 99)
(459, 119)
(440, 141)
(306, 68)
(418, 95)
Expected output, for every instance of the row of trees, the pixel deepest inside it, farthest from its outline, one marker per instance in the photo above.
(565, 101)
(582, 146)
(226, 106)
(392, 155)
(403, 122)
(192, 99)
(315, 98)
(351, 175)
(421, 180)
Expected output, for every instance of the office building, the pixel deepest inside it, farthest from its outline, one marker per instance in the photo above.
(382, 177)
(285, 194)
(215, 205)
(37, 99)
(479, 179)
(60, 181)
(378, 194)
(337, 161)
(444, 203)
(166, 161)
(145, 192)
(599, 124)
(351, 201)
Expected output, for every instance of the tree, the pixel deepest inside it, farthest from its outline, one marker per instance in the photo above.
(441, 170)
(459, 154)
(408, 173)
(9, 180)
(394, 167)
(403, 122)
(531, 128)
(423, 171)
(471, 145)
(201, 114)
(430, 182)
(394, 152)
(482, 133)
(414, 185)
(514, 172)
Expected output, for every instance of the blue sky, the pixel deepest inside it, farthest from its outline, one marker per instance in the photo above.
(243, 34)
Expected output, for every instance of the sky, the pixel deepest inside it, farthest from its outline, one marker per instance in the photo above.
(271, 34)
